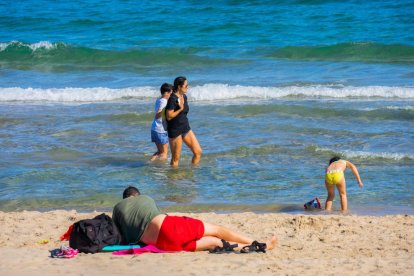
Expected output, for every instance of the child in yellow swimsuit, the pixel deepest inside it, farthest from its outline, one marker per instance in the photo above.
(335, 177)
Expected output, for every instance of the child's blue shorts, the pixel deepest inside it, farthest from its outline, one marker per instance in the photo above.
(159, 138)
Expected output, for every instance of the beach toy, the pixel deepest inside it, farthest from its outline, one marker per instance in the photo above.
(43, 242)
(313, 204)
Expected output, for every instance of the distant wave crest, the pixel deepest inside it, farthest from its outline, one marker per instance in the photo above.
(48, 56)
(62, 57)
(205, 93)
(34, 46)
(364, 155)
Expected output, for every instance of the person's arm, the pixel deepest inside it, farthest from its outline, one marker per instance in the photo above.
(161, 108)
(159, 114)
(171, 114)
(355, 172)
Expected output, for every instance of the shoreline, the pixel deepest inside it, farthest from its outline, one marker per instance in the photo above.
(326, 244)
(290, 209)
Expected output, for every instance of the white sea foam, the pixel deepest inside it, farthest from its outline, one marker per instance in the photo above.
(34, 46)
(96, 94)
(369, 155)
(3, 46)
(407, 108)
(398, 108)
(383, 155)
(42, 44)
(222, 91)
(207, 92)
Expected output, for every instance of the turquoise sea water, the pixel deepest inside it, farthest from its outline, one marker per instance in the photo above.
(276, 89)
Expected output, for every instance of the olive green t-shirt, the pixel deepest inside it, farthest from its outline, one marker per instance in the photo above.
(132, 216)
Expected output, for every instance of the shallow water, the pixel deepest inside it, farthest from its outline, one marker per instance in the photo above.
(275, 91)
(256, 153)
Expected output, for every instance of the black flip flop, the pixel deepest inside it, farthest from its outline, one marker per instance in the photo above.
(227, 248)
(254, 247)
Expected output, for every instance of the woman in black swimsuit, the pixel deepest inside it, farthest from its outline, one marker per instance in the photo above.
(178, 126)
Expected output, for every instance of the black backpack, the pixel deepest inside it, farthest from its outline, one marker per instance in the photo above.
(91, 235)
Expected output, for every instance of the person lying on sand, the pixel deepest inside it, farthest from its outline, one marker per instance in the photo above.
(139, 220)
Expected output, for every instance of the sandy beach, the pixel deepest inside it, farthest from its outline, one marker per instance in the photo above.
(322, 244)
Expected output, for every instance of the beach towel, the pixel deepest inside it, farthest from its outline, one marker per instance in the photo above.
(145, 249)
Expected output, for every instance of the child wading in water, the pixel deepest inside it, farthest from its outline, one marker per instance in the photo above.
(158, 132)
(335, 177)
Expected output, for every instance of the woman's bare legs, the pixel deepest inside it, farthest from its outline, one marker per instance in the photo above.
(341, 186)
(213, 234)
(191, 141)
(176, 145)
(331, 195)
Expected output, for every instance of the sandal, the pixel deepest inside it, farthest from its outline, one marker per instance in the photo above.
(64, 252)
(227, 248)
(254, 247)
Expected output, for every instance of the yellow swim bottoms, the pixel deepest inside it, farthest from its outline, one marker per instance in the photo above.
(333, 177)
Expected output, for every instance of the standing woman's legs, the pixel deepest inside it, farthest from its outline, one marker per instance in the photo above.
(331, 195)
(175, 144)
(341, 186)
(191, 141)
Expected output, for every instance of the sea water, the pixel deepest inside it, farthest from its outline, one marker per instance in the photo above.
(276, 88)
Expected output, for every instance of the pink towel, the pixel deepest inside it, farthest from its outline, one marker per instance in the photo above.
(145, 249)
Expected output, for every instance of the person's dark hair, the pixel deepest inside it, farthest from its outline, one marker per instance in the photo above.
(334, 159)
(130, 191)
(166, 87)
(179, 81)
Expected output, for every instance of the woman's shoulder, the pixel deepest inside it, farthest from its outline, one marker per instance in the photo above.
(343, 161)
(173, 98)
(334, 165)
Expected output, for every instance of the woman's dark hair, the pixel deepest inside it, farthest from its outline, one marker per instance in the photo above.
(334, 159)
(130, 191)
(179, 81)
(166, 87)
